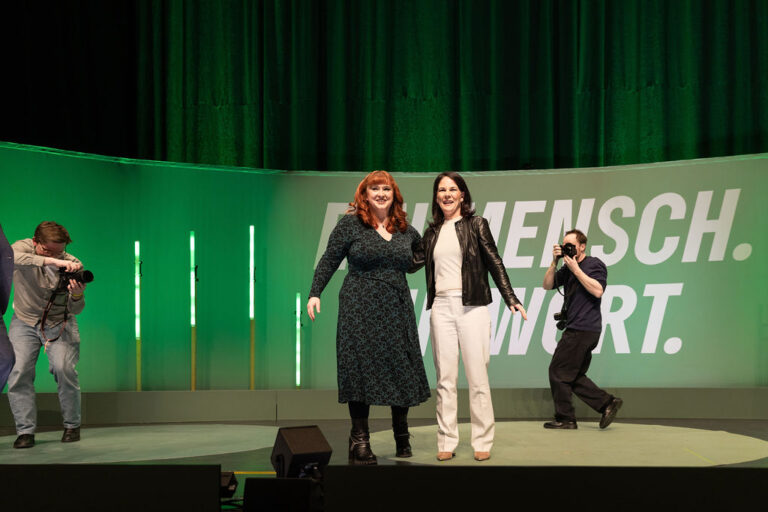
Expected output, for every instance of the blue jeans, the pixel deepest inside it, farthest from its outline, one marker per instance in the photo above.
(6, 355)
(63, 355)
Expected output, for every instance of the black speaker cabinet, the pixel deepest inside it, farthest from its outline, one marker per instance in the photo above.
(298, 447)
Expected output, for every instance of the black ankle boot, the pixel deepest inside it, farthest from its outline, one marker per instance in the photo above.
(360, 443)
(403, 445)
(400, 428)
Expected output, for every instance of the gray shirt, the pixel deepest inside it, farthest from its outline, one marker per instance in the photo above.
(34, 283)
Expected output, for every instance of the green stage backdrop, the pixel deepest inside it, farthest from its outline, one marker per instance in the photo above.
(685, 244)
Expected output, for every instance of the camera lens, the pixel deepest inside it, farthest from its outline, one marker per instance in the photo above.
(82, 276)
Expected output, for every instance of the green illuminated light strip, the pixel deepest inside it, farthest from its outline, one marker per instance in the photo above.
(137, 310)
(251, 296)
(251, 262)
(137, 286)
(298, 339)
(192, 277)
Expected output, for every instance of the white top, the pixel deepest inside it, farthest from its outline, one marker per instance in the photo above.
(447, 257)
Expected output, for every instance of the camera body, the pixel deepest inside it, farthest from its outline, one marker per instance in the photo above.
(81, 276)
(568, 250)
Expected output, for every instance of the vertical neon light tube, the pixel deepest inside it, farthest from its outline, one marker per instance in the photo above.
(192, 278)
(137, 295)
(298, 339)
(251, 293)
(193, 303)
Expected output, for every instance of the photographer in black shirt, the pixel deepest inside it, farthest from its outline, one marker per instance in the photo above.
(583, 279)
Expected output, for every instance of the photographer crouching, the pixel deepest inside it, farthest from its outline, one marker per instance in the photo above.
(49, 292)
(584, 279)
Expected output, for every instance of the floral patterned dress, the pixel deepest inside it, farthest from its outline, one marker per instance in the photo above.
(377, 343)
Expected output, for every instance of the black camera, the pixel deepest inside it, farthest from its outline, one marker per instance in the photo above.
(568, 250)
(81, 276)
(562, 319)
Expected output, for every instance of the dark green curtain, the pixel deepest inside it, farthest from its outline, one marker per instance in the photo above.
(430, 85)
(400, 84)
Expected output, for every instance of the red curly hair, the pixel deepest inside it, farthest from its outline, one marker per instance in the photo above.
(397, 218)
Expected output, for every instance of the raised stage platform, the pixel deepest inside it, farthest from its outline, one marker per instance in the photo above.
(681, 462)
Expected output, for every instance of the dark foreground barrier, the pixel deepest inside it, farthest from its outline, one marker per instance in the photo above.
(542, 488)
(79, 487)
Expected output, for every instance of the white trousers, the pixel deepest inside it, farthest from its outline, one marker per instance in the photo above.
(455, 328)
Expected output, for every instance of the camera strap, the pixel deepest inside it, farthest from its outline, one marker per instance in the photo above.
(571, 290)
(45, 317)
(558, 285)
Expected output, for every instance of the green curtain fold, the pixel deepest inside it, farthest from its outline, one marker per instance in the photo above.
(431, 85)
(404, 85)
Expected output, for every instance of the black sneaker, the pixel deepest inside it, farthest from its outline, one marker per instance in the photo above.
(564, 425)
(71, 435)
(24, 441)
(610, 412)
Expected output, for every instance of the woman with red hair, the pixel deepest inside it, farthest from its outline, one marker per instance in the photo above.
(377, 343)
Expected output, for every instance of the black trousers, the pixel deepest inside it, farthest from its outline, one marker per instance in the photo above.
(567, 374)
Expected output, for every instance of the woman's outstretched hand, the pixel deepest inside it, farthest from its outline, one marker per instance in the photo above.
(514, 309)
(313, 304)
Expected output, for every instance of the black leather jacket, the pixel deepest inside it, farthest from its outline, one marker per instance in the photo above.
(480, 257)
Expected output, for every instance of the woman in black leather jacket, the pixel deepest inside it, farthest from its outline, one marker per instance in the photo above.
(459, 252)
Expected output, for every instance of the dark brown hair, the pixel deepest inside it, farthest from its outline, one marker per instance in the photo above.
(466, 205)
(580, 237)
(49, 231)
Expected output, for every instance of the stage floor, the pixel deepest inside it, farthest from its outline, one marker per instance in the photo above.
(246, 448)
